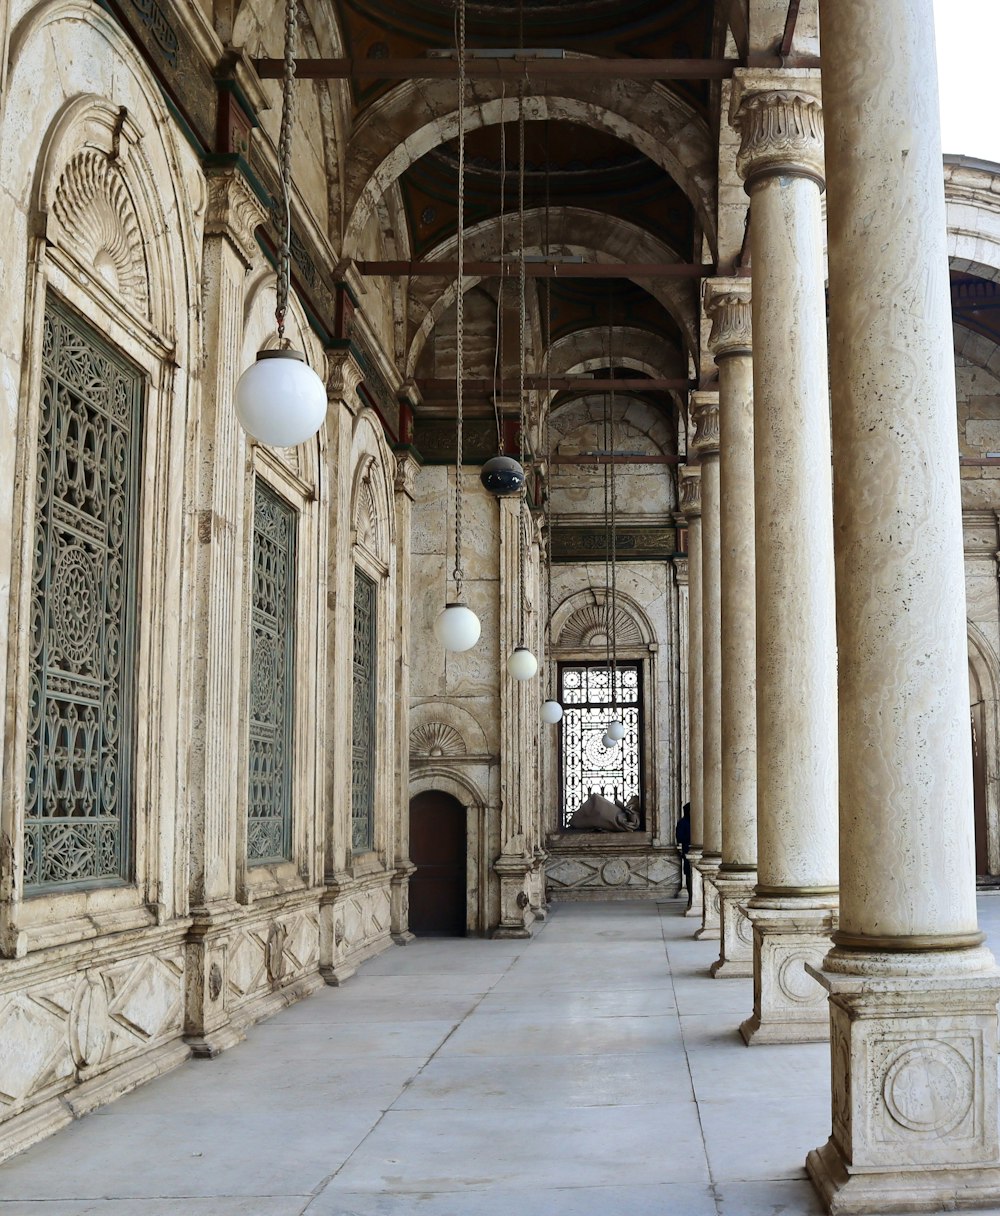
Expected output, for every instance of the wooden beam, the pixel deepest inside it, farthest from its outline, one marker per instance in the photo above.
(785, 49)
(435, 385)
(541, 270)
(513, 68)
(584, 459)
(739, 23)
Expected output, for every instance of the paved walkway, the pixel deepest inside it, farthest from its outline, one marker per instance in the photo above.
(592, 1071)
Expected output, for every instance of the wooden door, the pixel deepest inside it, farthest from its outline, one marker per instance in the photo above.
(438, 850)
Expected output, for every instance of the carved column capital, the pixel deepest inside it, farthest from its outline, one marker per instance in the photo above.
(234, 212)
(705, 413)
(779, 117)
(343, 377)
(690, 490)
(727, 304)
(407, 468)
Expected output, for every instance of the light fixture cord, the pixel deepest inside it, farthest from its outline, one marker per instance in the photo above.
(460, 301)
(498, 360)
(285, 165)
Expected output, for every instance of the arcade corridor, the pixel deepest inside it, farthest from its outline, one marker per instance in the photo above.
(569, 1075)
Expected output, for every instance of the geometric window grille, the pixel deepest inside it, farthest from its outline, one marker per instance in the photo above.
(363, 717)
(78, 783)
(272, 678)
(587, 767)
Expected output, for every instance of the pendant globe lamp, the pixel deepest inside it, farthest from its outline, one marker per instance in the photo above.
(502, 476)
(522, 664)
(552, 712)
(457, 627)
(615, 730)
(609, 743)
(280, 400)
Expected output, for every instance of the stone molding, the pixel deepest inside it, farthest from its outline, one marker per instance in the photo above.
(728, 304)
(705, 412)
(779, 117)
(344, 376)
(407, 468)
(234, 213)
(690, 490)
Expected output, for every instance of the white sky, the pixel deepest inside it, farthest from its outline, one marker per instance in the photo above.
(968, 38)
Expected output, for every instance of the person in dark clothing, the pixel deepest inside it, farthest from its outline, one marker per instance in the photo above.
(682, 834)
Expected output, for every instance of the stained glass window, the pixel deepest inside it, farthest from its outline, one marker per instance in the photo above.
(587, 766)
(78, 797)
(363, 719)
(272, 673)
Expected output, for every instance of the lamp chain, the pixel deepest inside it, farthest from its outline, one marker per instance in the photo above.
(522, 309)
(498, 360)
(547, 499)
(285, 164)
(460, 300)
(614, 519)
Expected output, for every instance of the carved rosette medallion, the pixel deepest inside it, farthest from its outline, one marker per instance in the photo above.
(705, 412)
(928, 1088)
(89, 1022)
(615, 872)
(690, 491)
(730, 312)
(781, 132)
(796, 983)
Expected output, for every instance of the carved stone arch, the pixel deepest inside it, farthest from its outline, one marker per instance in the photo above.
(445, 725)
(449, 780)
(984, 671)
(657, 121)
(973, 217)
(581, 620)
(372, 493)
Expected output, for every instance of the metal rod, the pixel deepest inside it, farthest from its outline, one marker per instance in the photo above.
(542, 270)
(501, 69)
(436, 385)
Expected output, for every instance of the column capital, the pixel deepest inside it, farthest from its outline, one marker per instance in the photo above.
(690, 490)
(343, 377)
(407, 468)
(234, 212)
(779, 116)
(705, 413)
(727, 303)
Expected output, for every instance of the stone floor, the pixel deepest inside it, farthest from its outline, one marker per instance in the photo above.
(592, 1071)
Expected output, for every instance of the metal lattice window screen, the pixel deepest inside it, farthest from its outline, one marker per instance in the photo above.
(363, 717)
(78, 795)
(585, 693)
(272, 678)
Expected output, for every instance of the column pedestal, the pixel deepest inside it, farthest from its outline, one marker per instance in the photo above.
(694, 907)
(789, 1006)
(914, 1088)
(735, 930)
(708, 867)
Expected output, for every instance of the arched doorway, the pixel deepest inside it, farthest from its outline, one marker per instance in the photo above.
(438, 850)
(977, 713)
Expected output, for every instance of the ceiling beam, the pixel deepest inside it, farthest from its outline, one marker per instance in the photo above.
(441, 384)
(542, 270)
(596, 459)
(513, 68)
(785, 49)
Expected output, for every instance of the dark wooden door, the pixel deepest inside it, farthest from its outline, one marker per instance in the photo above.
(438, 850)
(979, 788)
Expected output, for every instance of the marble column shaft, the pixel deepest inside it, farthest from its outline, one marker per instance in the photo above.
(690, 504)
(913, 993)
(779, 117)
(705, 412)
(728, 303)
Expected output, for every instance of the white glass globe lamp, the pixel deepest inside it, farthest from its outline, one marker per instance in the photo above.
(280, 400)
(457, 628)
(609, 743)
(615, 730)
(522, 664)
(552, 712)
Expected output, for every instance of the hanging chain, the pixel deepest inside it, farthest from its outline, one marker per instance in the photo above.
(607, 542)
(285, 164)
(614, 525)
(498, 361)
(460, 301)
(547, 499)
(521, 318)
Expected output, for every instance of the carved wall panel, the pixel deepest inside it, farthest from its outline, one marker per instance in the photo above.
(591, 867)
(268, 953)
(364, 734)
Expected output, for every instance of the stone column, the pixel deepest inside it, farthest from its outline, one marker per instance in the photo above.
(705, 412)
(690, 496)
(230, 249)
(407, 468)
(727, 302)
(793, 910)
(913, 993)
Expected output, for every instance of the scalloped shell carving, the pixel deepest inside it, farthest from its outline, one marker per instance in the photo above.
(589, 627)
(99, 226)
(436, 739)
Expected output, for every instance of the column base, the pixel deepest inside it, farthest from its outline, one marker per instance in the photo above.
(789, 1006)
(697, 891)
(914, 1080)
(735, 959)
(710, 925)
